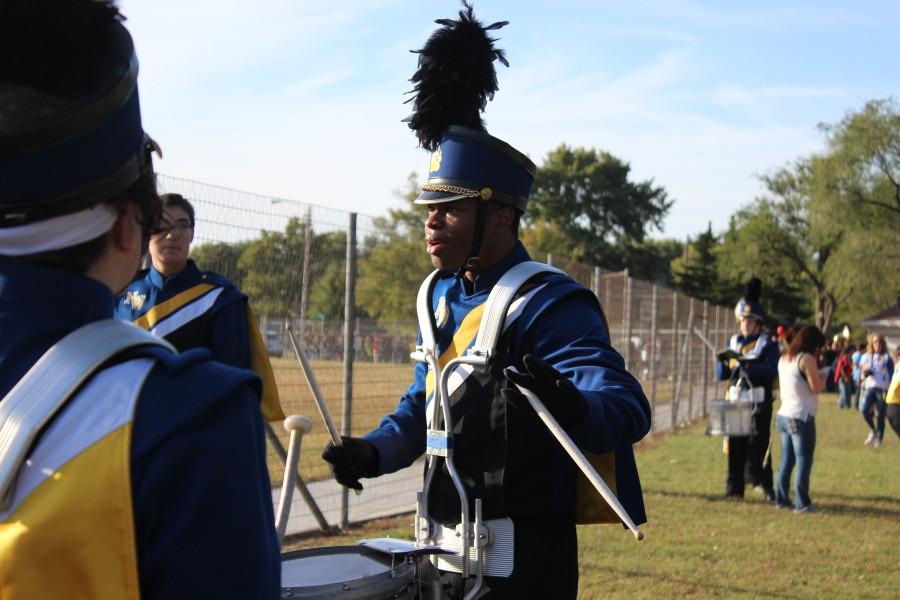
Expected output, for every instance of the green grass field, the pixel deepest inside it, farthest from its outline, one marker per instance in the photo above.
(699, 545)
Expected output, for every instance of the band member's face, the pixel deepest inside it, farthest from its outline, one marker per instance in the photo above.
(171, 243)
(449, 229)
(749, 327)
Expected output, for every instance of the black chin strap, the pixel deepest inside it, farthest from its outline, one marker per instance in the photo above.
(478, 237)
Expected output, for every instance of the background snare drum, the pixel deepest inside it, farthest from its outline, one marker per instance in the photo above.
(730, 418)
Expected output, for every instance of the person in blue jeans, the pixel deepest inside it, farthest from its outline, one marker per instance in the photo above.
(799, 386)
(875, 370)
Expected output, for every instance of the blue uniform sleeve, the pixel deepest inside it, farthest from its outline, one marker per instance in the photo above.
(569, 333)
(203, 512)
(230, 341)
(400, 437)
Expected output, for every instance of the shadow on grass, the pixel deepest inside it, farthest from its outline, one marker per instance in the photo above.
(834, 508)
(885, 499)
(707, 587)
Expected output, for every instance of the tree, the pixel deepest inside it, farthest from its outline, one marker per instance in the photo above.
(775, 239)
(223, 258)
(864, 160)
(587, 195)
(395, 262)
(696, 272)
(856, 190)
(273, 269)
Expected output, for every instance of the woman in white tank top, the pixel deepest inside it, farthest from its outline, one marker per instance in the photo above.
(799, 386)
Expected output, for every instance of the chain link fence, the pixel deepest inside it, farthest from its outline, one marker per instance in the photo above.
(321, 269)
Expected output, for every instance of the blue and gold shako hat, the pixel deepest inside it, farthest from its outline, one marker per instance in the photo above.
(472, 164)
(454, 80)
(89, 144)
(749, 306)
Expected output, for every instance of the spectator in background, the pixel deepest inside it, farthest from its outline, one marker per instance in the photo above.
(843, 376)
(827, 358)
(190, 308)
(857, 383)
(875, 369)
(799, 385)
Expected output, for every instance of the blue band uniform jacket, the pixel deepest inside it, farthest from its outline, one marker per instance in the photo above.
(508, 458)
(113, 520)
(197, 309)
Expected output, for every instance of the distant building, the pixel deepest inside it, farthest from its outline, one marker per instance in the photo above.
(886, 323)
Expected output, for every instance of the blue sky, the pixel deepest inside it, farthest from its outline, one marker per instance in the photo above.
(302, 99)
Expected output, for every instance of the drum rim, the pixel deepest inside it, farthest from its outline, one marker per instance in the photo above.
(403, 570)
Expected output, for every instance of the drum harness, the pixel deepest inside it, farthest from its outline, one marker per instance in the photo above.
(479, 535)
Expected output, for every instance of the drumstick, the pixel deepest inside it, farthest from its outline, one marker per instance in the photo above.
(569, 446)
(316, 392)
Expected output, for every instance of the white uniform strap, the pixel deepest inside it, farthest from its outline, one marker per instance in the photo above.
(423, 311)
(497, 305)
(46, 387)
(501, 296)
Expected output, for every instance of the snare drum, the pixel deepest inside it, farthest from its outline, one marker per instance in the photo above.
(347, 573)
(730, 418)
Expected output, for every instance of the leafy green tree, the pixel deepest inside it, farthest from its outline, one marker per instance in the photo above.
(395, 262)
(650, 260)
(774, 239)
(855, 187)
(864, 161)
(696, 273)
(273, 270)
(223, 258)
(588, 196)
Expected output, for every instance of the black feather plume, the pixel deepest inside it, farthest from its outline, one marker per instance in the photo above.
(754, 289)
(455, 77)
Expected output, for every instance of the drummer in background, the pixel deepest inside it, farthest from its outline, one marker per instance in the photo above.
(151, 481)
(475, 195)
(190, 308)
(748, 456)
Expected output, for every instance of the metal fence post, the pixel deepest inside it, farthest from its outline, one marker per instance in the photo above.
(349, 328)
(304, 286)
(689, 342)
(626, 317)
(674, 353)
(652, 354)
(598, 273)
(706, 355)
(719, 343)
(549, 259)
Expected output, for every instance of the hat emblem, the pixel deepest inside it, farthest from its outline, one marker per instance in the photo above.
(435, 161)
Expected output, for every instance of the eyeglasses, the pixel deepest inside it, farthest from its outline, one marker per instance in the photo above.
(174, 228)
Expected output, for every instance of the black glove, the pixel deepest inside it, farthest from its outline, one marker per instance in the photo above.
(726, 355)
(354, 459)
(553, 389)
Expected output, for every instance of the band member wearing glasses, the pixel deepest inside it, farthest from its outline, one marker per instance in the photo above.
(190, 308)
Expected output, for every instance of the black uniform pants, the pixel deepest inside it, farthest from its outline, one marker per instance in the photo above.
(545, 563)
(747, 460)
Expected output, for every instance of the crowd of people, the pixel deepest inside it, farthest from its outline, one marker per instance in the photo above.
(800, 365)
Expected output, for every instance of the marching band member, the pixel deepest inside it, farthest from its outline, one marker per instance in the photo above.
(149, 478)
(747, 455)
(190, 308)
(476, 193)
